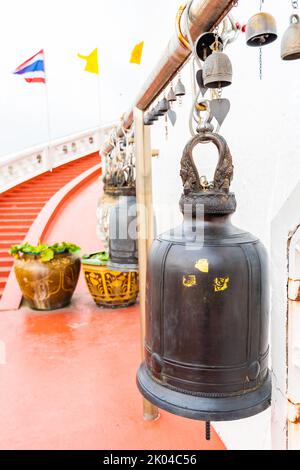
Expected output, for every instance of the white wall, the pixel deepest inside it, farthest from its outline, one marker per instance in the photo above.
(262, 130)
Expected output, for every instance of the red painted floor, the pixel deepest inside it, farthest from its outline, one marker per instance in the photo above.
(68, 378)
(69, 383)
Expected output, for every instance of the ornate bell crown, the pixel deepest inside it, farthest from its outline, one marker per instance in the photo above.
(216, 197)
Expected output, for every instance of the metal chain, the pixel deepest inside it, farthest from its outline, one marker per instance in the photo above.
(260, 63)
(260, 49)
(261, 4)
(295, 4)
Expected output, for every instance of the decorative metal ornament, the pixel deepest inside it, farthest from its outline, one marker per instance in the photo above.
(207, 307)
(290, 44)
(179, 88)
(199, 79)
(261, 30)
(219, 108)
(172, 116)
(203, 44)
(217, 70)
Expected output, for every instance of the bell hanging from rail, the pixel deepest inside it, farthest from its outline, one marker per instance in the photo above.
(171, 95)
(163, 106)
(261, 30)
(123, 251)
(207, 305)
(217, 70)
(152, 115)
(147, 120)
(179, 88)
(290, 44)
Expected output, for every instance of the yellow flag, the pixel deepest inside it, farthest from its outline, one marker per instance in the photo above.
(136, 53)
(91, 61)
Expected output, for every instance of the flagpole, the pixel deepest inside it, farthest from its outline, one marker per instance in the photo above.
(49, 135)
(99, 96)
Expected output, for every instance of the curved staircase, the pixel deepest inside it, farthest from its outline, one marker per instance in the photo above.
(20, 206)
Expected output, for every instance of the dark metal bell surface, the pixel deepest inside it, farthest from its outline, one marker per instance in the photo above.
(290, 43)
(203, 44)
(123, 250)
(207, 306)
(261, 30)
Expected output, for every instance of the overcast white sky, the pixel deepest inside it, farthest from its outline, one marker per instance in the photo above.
(63, 28)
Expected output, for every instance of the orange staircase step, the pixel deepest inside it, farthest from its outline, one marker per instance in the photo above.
(4, 271)
(6, 260)
(20, 206)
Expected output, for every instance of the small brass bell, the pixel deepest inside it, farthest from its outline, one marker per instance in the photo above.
(157, 110)
(179, 88)
(153, 115)
(171, 95)
(203, 44)
(217, 70)
(163, 106)
(147, 120)
(261, 30)
(290, 44)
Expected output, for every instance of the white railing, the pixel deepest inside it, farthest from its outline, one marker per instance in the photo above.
(21, 166)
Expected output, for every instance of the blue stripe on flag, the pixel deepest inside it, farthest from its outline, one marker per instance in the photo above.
(34, 67)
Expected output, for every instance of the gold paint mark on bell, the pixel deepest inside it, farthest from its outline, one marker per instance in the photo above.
(221, 283)
(189, 280)
(202, 265)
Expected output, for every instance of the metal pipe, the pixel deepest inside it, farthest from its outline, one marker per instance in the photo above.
(204, 16)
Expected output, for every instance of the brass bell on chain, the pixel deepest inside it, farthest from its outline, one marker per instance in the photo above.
(217, 70)
(290, 44)
(261, 30)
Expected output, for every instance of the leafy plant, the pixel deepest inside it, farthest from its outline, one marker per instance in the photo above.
(101, 256)
(43, 251)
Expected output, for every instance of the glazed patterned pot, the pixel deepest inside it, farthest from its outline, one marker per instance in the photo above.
(47, 286)
(110, 289)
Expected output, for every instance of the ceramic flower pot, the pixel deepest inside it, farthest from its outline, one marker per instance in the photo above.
(50, 285)
(110, 289)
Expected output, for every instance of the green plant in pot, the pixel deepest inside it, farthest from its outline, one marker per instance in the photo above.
(109, 288)
(47, 274)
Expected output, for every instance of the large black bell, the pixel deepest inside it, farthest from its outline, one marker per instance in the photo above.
(123, 250)
(207, 305)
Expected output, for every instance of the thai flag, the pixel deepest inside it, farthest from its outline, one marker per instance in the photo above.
(33, 69)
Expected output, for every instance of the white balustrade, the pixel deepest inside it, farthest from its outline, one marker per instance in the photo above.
(21, 166)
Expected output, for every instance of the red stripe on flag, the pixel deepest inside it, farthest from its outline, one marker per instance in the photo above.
(24, 63)
(38, 79)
